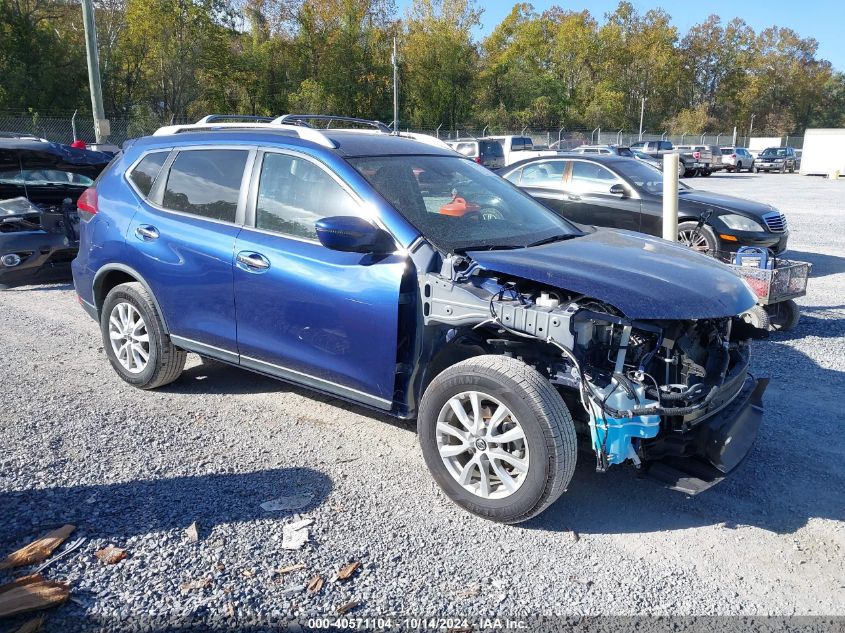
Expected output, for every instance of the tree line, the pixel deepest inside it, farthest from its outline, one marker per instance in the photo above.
(164, 59)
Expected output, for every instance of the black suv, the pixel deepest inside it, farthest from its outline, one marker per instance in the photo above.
(781, 159)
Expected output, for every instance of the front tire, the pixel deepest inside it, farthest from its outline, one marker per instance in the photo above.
(784, 316)
(701, 240)
(497, 438)
(135, 340)
(758, 317)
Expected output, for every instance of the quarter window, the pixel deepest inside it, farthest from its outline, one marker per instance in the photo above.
(206, 183)
(146, 172)
(293, 193)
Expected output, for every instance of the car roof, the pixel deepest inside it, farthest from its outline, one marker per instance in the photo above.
(604, 159)
(347, 143)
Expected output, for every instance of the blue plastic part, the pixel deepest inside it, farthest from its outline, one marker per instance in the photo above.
(615, 435)
(754, 257)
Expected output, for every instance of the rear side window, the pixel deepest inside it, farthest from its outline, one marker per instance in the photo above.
(293, 193)
(467, 149)
(546, 174)
(146, 172)
(206, 183)
(624, 151)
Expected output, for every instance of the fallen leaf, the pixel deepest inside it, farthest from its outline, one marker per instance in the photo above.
(220, 566)
(315, 584)
(111, 555)
(31, 593)
(230, 609)
(246, 573)
(38, 550)
(192, 532)
(200, 583)
(346, 571)
(292, 502)
(31, 626)
(347, 607)
(290, 568)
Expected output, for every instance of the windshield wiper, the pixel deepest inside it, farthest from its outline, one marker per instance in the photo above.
(553, 238)
(489, 247)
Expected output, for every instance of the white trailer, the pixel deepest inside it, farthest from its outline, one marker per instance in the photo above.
(757, 144)
(824, 152)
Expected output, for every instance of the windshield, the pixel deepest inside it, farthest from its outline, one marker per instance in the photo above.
(459, 205)
(644, 176)
(774, 151)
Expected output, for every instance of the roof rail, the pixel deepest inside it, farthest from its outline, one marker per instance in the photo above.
(218, 118)
(302, 119)
(305, 133)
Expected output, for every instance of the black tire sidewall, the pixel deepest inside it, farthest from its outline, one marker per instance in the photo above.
(125, 293)
(531, 491)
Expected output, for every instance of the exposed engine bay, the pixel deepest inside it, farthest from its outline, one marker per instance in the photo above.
(637, 386)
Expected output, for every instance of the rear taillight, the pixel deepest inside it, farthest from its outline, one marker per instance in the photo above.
(696, 155)
(733, 155)
(478, 159)
(87, 204)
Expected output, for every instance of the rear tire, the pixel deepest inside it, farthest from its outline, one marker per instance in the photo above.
(758, 317)
(135, 340)
(468, 406)
(705, 172)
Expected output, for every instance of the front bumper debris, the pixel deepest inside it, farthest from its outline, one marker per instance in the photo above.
(698, 459)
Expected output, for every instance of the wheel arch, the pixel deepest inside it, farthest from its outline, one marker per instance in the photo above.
(112, 275)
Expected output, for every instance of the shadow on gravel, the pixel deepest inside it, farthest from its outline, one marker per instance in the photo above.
(823, 265)
(794, 473)
(121, 510)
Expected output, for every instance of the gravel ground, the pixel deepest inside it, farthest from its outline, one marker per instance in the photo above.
(134, 469)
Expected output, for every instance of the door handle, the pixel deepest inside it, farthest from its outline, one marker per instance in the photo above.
(147, 232)
(252, 262)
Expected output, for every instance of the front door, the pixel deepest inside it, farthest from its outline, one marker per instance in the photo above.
(589, 200)
(315, 316)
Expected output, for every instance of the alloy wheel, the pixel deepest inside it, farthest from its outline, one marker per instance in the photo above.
(482, 445)
(129, 337)
(694, 240)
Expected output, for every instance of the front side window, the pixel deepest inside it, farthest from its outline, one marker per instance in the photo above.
(147, 170)
(592, 178)
(462, 205)
(545, 174)
(206, 183)
(293, 193)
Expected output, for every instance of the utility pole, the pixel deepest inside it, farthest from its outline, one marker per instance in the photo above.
(642, 112)
(751, 127)
(395, 61)
(101, 124)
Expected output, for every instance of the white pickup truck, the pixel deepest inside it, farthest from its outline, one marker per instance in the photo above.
(517, 148)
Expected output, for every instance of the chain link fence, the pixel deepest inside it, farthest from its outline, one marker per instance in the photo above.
(67, 128)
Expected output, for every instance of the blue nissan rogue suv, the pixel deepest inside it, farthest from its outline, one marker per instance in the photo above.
(399, 275)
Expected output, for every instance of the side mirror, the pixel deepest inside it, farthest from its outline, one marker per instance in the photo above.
(619, 190)
(351, 234)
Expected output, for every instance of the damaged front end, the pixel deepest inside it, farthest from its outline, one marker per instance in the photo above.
(672, 395)
(40, 183)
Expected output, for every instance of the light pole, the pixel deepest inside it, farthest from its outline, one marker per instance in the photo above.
(395, 61)
(751, 126)
(101, 124)
(642, 112)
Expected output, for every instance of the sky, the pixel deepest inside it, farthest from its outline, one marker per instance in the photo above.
(821, 19)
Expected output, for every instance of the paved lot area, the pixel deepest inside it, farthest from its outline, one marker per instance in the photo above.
(134, 469)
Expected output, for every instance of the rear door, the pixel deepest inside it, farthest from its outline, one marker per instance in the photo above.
(182, 238)
(543, 180)
(305, 313)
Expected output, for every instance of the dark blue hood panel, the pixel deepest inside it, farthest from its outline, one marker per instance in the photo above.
(644, 277)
